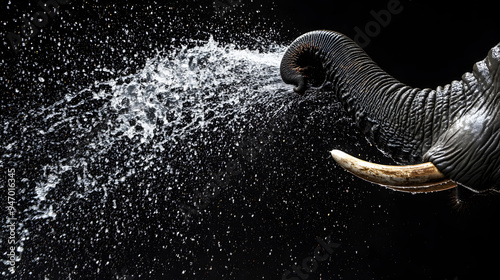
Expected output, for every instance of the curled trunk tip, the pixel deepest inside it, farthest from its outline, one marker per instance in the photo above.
(303, 62)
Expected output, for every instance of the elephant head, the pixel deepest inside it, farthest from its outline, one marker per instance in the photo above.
(450, 135)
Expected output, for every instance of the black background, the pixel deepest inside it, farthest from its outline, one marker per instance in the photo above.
(383, 234)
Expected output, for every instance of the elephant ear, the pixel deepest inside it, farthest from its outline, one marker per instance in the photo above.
(469, 150)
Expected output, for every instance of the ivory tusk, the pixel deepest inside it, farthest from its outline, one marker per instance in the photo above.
(425, 189)
(423, 177)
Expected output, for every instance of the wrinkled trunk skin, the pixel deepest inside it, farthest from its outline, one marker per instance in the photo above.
(409, 124)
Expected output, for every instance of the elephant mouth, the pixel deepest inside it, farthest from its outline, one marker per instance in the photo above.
(418, 178)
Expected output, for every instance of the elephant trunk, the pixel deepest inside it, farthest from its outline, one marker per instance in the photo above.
(401, 121)
(303, 63)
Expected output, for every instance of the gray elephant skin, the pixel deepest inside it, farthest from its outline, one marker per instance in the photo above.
(455, 127)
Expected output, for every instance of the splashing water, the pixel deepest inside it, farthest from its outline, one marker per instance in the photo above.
(172, 100)
(159, 129)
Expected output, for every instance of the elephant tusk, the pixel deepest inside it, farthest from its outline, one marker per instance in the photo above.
(423, 177)
(425, 189)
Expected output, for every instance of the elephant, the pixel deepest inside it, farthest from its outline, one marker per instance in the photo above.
(448, 137)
